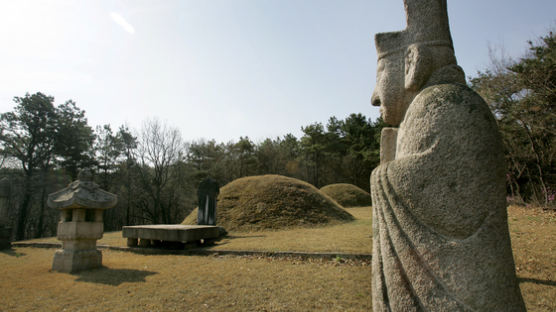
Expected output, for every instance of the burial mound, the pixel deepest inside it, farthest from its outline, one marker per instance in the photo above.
(273, 202)
(347, 195)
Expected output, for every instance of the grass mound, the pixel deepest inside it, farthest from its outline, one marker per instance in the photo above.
(347, 195)
(272, 202)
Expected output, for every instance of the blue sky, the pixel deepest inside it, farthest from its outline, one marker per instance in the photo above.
(221, 69)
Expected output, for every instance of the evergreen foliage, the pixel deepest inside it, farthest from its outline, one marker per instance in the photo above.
(522, 95)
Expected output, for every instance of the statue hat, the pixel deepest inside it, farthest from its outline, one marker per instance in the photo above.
(427, 24)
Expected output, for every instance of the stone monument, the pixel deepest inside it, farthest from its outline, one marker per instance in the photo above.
(440, 232)
(82, 204)
(207, 193)
(5, 230)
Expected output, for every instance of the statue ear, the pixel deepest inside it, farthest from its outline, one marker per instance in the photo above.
(418, 67)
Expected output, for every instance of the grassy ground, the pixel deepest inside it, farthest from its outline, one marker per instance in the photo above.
(132, 282)
(352, 237)
(149, 282)
(533, 234)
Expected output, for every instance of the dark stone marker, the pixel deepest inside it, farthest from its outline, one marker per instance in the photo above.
(207, 193)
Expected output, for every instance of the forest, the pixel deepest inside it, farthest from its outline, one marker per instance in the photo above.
(155, 173)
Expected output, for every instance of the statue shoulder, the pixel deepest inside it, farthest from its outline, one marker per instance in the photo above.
(449, 101)
(448, 113)
(449, 93)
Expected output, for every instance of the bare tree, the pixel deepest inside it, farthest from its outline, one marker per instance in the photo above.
(160, 147)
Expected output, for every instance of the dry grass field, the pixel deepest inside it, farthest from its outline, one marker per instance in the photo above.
(131, 282)
(533, 234)
(352, 237)
(134, 282)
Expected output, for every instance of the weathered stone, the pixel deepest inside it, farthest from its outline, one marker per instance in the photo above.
(169, 233)
(132, 242)
(388, 138)
(82, 193)
(82, 204)
(207, 194)
(144, 242)
(71, 261)
(440, 233)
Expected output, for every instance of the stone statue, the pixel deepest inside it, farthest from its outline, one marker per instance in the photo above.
(440, 232)
(207, 193)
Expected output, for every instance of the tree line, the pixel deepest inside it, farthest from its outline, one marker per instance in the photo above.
(155, 173)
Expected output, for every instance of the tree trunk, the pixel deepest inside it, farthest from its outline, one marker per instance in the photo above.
(537, 164)
(24, 209)
(40, 226)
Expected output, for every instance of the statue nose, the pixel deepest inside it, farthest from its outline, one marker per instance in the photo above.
(375, 99)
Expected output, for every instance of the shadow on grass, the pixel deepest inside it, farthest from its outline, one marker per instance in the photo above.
(222, 241)
(246, 236)
(113, 277)
(536, 281)
(11, 252)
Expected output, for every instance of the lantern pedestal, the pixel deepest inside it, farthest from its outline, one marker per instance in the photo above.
(82, 204)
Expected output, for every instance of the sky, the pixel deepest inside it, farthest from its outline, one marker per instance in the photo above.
(221, 69)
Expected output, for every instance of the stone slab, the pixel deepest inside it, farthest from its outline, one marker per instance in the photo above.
(75, 261)
(82, 193)
(75, 230)
(171, 232)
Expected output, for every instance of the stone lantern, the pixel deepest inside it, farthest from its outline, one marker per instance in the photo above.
(82, 204)
(5, 231)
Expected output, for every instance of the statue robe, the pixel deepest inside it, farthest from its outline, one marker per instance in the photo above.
(440, 233)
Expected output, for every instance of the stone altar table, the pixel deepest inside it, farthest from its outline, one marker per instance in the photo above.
(146, 235)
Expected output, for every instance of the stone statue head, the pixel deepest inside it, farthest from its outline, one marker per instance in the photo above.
(408, 59)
